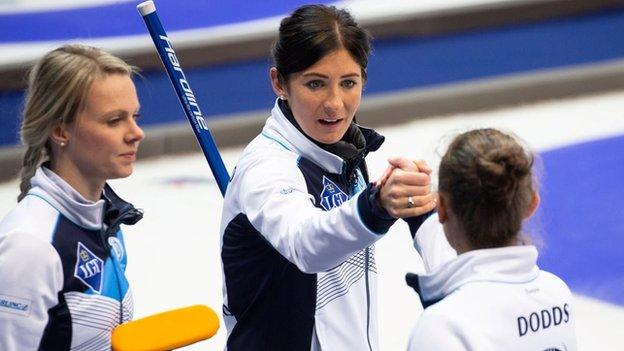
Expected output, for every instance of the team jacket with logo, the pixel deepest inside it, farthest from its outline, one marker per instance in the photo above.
(490, 299)
(297, 237)
(62, 263)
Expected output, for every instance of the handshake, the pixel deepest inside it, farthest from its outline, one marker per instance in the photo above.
(405, 188)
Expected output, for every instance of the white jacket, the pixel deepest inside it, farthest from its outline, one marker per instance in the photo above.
(62, 282)
(491, 299)
(297, 237)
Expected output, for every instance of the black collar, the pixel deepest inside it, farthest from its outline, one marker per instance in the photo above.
(117, 210)
(356, 143)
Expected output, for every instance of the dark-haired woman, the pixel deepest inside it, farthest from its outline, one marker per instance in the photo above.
(492, 296)
(299, 220)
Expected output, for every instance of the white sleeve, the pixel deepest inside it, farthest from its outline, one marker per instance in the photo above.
(430, 242)
(435, 332)
(274, 196)
(31, 275)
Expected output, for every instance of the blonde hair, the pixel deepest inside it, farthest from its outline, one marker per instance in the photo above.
(58, 85)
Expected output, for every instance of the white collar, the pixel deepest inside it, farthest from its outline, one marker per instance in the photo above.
(279, 128)
(513, 264)
(60, 195)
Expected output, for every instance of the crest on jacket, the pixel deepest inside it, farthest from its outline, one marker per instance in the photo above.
(117, 247)
(331, 195)
(89, 268)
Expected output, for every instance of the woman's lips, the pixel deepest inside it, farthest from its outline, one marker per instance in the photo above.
(330, 121)
(129, 155)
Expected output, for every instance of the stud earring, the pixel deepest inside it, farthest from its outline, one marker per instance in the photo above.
(62, 144)
(282, 97)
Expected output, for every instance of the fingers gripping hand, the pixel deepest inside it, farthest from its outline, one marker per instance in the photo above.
(416, 165)
(406, 180)
(384, 176)
(397, 162)
(423, 166)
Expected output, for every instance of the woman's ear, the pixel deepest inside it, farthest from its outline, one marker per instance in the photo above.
(442, 208)
(277, 83)
(59, 135)
(533, 205)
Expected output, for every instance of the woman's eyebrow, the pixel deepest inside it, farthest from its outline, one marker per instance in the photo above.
(308, 74)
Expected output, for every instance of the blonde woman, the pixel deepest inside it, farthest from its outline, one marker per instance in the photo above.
(62, 257)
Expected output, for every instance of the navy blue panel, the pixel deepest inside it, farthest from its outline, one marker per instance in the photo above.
(314, 174)
(375, 217)
(120, 19)
(395, 64)
(67, 236)
(57, 334)
(581, 216)
(272, 300)
(411, 279)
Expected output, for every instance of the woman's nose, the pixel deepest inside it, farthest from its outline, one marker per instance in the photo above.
(135, 132)
(333, 102)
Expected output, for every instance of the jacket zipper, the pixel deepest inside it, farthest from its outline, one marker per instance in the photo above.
(352, 182)
(104, 234)
(107, 249)
(367, 299)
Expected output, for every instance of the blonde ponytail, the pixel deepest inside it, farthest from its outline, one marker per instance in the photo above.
(32, 159)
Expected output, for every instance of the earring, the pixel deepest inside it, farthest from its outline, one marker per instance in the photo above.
(62, 144)
(282, 97)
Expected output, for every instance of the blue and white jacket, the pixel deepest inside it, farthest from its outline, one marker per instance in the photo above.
(297, 235)
(62, 263)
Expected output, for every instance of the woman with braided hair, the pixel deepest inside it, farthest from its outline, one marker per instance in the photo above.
(62, 255)
(492, 295)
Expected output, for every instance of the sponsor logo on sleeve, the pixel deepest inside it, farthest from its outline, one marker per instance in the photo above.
(89, 268)
(287, 191)
(14, 305)
(331, 196)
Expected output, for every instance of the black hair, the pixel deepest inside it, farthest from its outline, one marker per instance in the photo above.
(313, 31)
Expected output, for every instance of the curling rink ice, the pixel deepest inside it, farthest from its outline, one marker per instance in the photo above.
(174, 258)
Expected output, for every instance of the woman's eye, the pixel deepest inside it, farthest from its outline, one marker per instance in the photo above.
(349, 83)
(314, 84)
(114, 121)
(137, 116)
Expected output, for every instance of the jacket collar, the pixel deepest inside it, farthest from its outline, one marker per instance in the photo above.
(335, 158)
(514, 265)
(88, 214)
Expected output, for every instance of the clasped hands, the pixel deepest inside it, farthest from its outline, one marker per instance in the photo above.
(405, 188)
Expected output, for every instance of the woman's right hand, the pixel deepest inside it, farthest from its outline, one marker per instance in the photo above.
(405, 188)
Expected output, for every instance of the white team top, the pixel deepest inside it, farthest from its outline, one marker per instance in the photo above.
(491, 299)
(298, 260)
(61, 286)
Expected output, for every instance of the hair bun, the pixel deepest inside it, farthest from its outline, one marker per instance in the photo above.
(500, 173)
(486, 177)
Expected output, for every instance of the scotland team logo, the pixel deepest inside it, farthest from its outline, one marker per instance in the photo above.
(117, 248)
(89, 268)
(332, 196)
